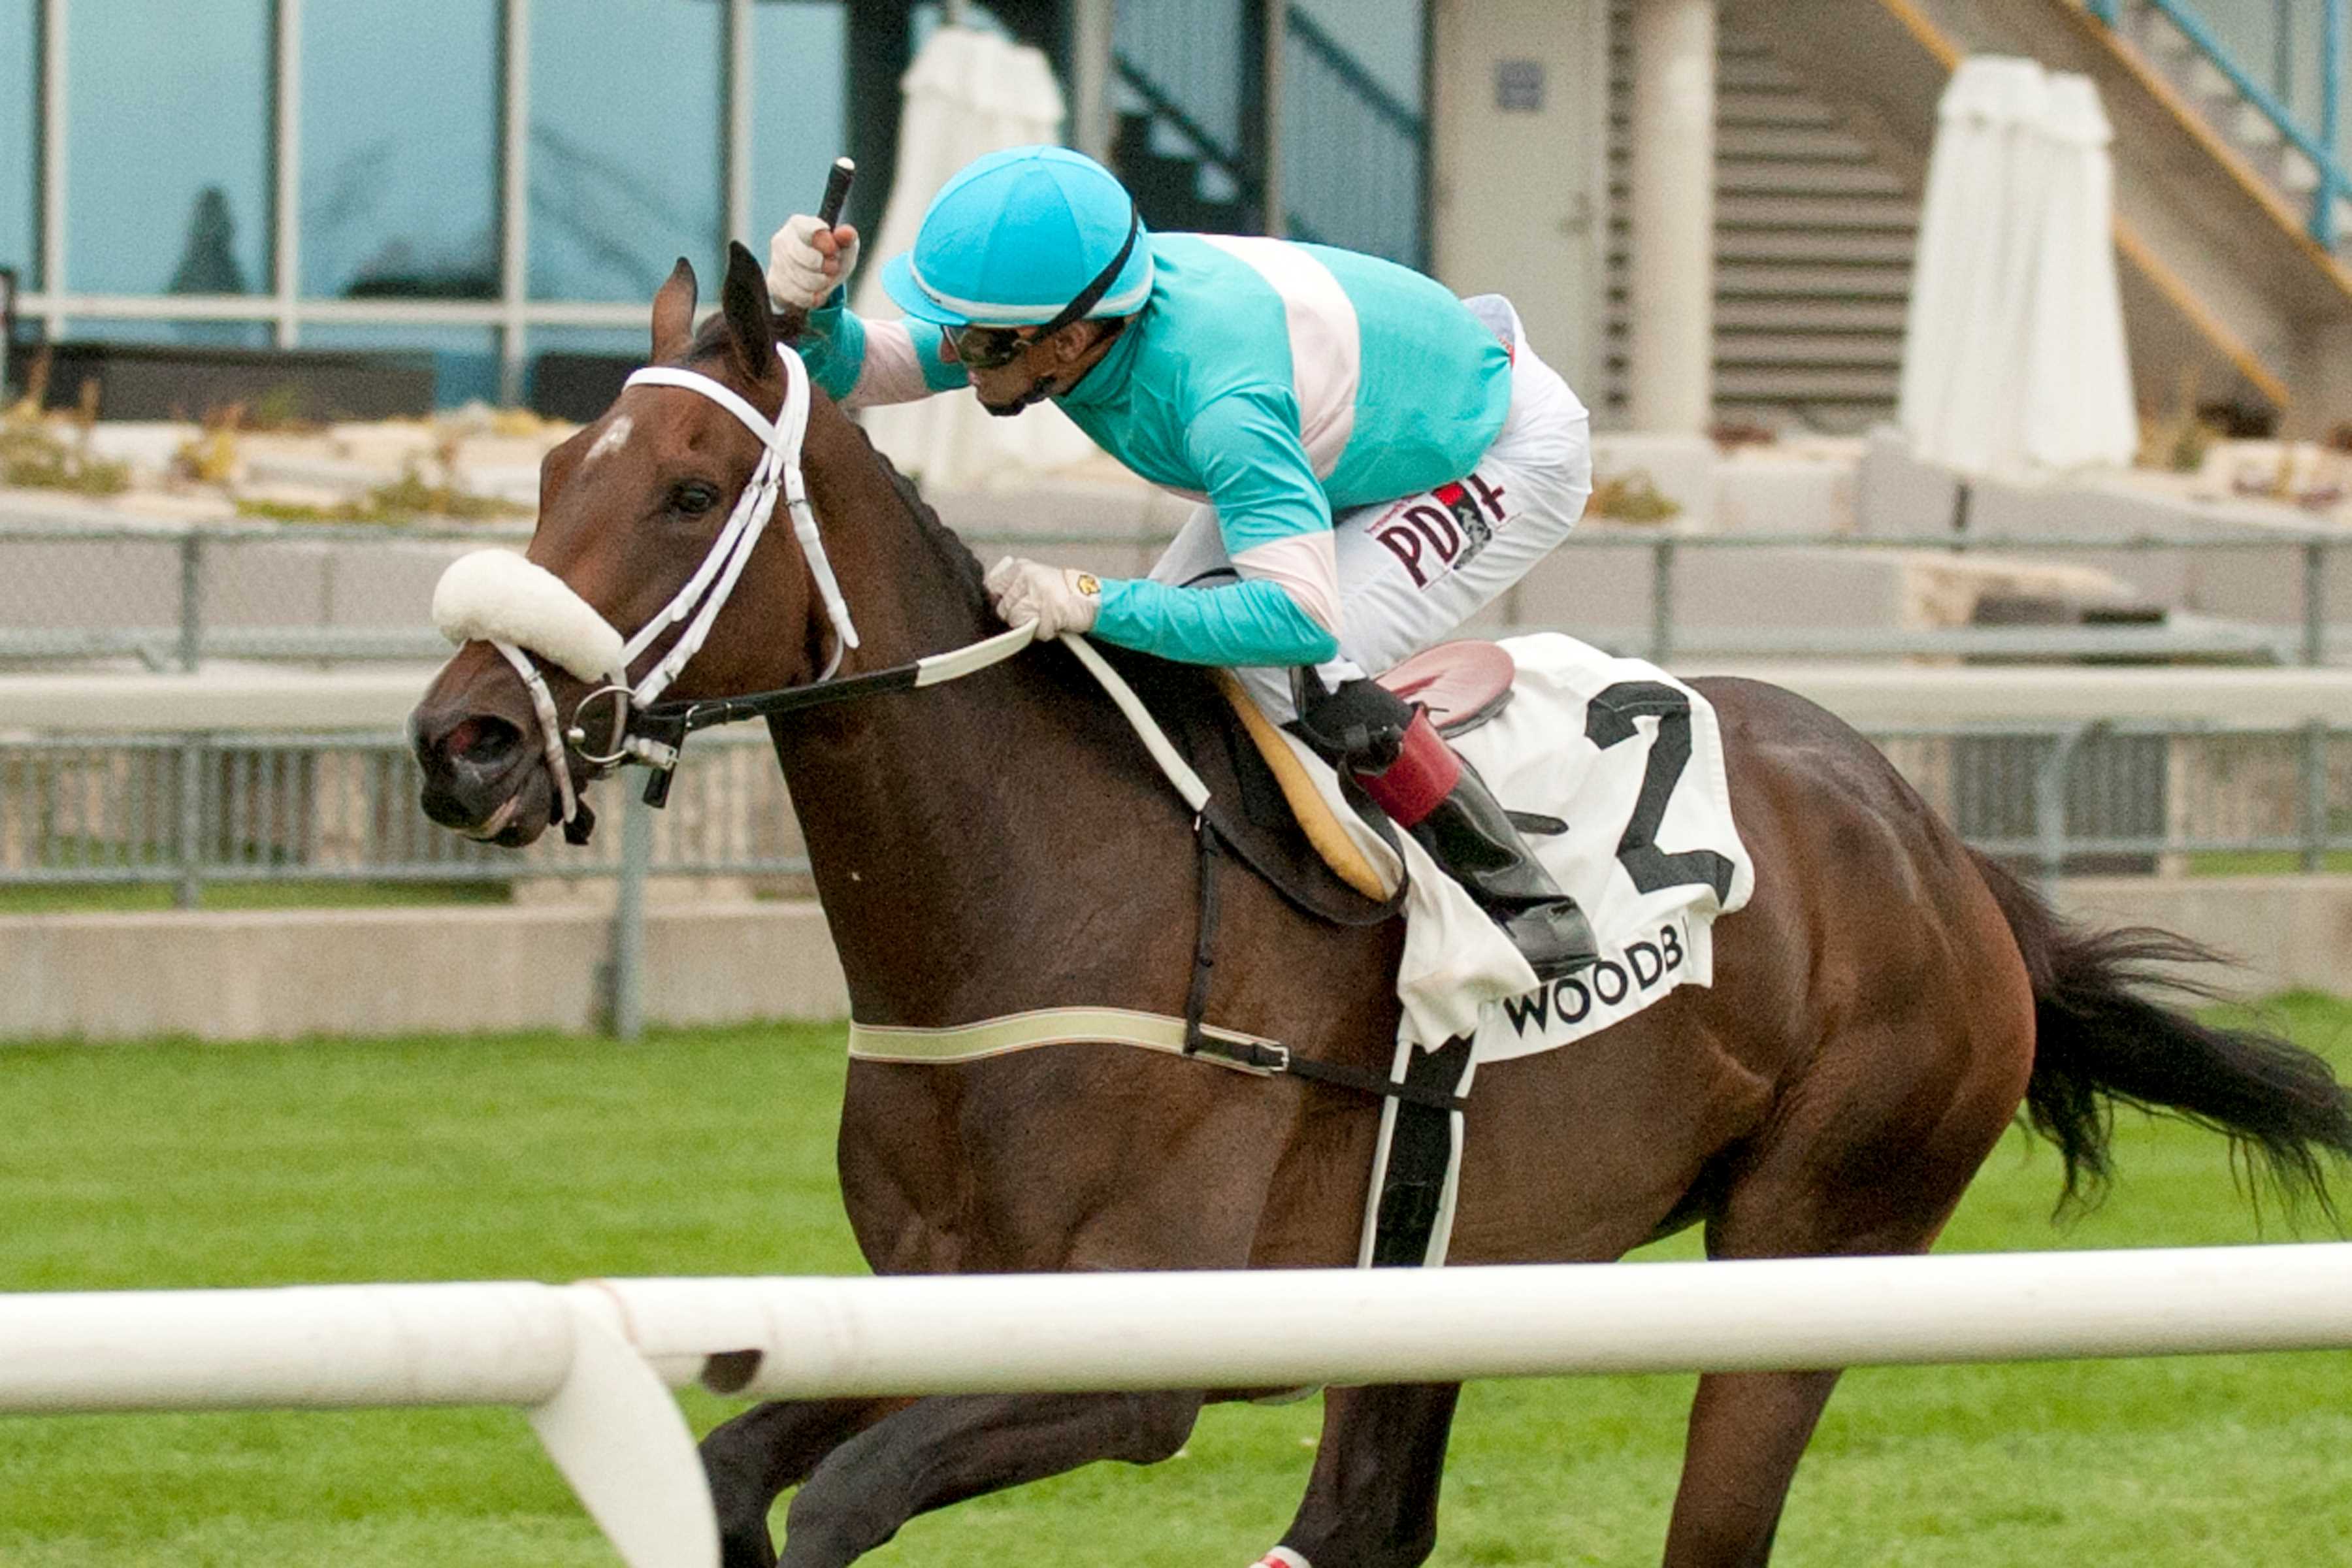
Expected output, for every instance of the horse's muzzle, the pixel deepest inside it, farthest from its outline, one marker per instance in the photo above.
(483, 776)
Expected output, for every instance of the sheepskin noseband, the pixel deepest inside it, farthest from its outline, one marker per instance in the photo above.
(495, 595)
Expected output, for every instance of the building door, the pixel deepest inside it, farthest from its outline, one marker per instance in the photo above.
(1519, 200)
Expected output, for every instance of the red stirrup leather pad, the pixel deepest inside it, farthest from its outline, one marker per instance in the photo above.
(1463, 684)
(1417, 783)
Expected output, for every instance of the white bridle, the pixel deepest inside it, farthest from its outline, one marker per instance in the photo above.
(497, 596)
(520, 608)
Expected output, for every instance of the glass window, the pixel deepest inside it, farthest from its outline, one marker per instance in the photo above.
(624, 145)
(576, 372)
(1182, 137)
(20, 142)
(1384, 37)
(797, 112)
(931, 17)
(1353, 132)
(464, 359)
(400, 148)
(167, 143)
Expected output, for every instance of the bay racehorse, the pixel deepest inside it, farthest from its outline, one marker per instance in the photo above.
(1882, 1009)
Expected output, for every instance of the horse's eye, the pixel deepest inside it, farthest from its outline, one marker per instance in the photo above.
(692, 498)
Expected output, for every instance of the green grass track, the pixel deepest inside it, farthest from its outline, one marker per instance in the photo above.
(180, 1165)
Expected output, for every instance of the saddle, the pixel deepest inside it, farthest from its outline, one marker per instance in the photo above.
(1461, 684)
(1268, 811)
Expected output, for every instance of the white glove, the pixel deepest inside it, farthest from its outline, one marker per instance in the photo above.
(1058, 598)
(806, 262)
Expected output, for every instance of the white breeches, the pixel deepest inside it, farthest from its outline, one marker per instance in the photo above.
(1411, 570)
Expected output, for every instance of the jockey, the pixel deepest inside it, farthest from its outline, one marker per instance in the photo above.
(1378, 458)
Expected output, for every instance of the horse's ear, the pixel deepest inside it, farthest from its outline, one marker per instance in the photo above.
(674, 313)
(743, 300)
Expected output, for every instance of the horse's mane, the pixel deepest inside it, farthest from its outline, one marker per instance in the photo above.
(945, 542)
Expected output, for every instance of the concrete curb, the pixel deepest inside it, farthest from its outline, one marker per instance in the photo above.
(276, 974)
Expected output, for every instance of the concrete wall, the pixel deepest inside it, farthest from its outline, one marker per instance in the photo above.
(1900, 497)
(2286, 932)
(281, 975)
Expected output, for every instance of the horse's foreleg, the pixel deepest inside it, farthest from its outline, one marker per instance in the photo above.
(944, 1449)
(1372, 1500)
(750, 1460)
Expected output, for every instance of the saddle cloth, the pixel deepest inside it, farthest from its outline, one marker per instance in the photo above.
(1631, 761)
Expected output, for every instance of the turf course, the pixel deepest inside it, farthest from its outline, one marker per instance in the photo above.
(180, 1165)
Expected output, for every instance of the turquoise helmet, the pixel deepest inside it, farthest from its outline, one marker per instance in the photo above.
(1031, 236)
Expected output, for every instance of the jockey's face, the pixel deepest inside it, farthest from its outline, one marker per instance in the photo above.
(1039, 367)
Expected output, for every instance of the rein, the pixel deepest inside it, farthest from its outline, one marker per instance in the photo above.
(655, 733)
(502, 599)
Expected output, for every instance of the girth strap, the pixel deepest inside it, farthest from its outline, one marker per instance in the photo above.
(1251, 1054)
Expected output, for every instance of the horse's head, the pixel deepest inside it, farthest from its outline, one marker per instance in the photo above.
(631, 510)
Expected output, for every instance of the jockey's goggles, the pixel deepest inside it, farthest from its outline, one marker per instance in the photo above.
(993, 348)
(989, 348)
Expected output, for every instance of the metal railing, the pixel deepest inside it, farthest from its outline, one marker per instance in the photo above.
(2319, 139)
(194, 811)
(203, 809)
(2310, 642)
(1357, 176)
(174, 595)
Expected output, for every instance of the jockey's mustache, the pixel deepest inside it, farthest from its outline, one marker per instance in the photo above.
(1039, 389)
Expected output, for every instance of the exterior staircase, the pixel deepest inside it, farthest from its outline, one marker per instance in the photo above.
(1814, 235)
(2264, 98)
(2232, 207)
(2235, 293)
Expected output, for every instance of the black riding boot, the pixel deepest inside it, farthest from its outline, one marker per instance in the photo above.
(1431, 791)
(1471, 836)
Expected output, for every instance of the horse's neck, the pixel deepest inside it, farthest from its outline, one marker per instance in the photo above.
(944, 826)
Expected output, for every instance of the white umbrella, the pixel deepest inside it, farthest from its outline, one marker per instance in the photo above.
(2078, 410)
(968, 92)
(2013, 354)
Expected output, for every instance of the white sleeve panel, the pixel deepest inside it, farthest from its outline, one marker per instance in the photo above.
(1327, 349)
(1305, 565)
(891, 371)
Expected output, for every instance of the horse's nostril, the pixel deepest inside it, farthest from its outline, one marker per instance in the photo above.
(482, 742)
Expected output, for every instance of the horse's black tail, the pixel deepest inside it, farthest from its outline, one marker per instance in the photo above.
(2102, 1036)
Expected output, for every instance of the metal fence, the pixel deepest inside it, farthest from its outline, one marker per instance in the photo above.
(189, 812)
(195, 810)
(172, 597)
